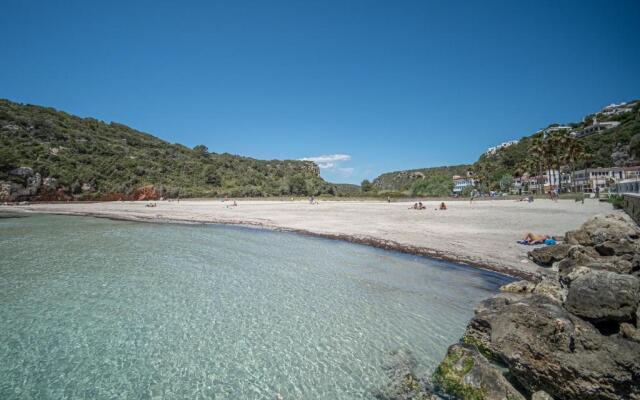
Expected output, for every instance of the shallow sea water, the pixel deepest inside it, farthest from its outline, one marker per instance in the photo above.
(99, 309)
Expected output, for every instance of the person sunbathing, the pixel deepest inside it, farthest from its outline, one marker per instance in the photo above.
(532, 238)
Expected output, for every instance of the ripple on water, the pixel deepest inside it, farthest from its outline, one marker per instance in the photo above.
(92, 308)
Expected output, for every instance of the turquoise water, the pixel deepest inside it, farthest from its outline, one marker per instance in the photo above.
(93, 308)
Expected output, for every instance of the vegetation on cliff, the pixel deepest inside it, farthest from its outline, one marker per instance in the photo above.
(87, 158)
(532, 155)
(419, 182)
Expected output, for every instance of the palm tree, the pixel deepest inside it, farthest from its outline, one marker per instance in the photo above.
(548, 155)
(537, 154)
(574, 153)
(561, 140)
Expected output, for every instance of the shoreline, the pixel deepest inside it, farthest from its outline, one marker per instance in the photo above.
(480, 235)
(387, 245)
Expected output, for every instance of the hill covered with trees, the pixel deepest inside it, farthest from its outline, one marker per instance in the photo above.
(551, 148)
(51, 155)
(556, 149)
(417, 182)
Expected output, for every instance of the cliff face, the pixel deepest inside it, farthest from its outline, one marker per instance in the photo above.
(573, 334)
(48, 154)
(402, 180)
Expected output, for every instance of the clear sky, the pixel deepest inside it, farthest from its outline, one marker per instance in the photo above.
(374, 86)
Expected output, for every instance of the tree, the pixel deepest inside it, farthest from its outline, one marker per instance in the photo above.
(201, 150)
(574, 152)
(366, 186)
(437, 186)
(297, 185)
(506, 182)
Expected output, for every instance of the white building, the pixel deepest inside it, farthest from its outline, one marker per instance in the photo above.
(461, 182)
(554, 129)
(587, 180)
(615, 109)
(494, 149)
(596, 127)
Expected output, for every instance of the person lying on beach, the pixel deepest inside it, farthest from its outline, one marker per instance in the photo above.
(414, 206)
(532, 238)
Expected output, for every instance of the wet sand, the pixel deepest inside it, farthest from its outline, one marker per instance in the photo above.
(482, 234)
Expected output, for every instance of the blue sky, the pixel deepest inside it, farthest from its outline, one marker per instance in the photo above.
(372, 86)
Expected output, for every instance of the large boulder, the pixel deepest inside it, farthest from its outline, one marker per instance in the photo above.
(609, 228)
(617, 247)
(547, 348)
(547, 255)
(468, 375)
(604, 296)
(403, 383)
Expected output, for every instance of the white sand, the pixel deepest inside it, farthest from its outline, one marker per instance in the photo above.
(483, 233)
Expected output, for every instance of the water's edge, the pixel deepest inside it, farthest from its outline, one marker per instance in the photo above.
(388, 245)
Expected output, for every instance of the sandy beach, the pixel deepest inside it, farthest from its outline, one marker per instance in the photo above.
(482, 234)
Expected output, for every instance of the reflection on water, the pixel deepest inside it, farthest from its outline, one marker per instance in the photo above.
(92, 308)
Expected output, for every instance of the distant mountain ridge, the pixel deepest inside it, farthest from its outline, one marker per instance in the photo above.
(48, 154)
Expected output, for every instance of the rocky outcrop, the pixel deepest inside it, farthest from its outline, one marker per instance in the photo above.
(146, 193)
(604, 296)
(403, 383)
(547, 255)
(23, 184)
(571, 334)
(466, 373)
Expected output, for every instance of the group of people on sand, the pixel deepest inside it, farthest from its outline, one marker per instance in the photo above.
(226, 199)
(420, 206)
(151, 204)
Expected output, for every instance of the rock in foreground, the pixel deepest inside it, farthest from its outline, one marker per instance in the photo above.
(572, 334)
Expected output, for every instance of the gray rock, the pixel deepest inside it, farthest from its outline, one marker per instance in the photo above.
(547, 255)
(5, 191)
(21, 171)
(403, 384)
(467, 374)
(552, 289)
(547, 348)
(541, 395)
(50, 183)
(518, 287)
(603, 296)
(578, 237)
(630, 332)
(610, 227)
(613, 264)
(617, 247)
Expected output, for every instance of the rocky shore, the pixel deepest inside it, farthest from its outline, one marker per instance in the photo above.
(572, 333)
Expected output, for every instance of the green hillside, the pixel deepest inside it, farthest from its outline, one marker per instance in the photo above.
(67, 157)
(425, 181)
(532, 155)
(618, 146)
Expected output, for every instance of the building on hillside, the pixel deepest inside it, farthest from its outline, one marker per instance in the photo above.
(494, 149)
(462, 182)
(615, 109)
(587, 180)
(554, 129)
(595, 127)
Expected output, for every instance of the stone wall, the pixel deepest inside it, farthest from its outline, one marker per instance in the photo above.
(632, 206)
